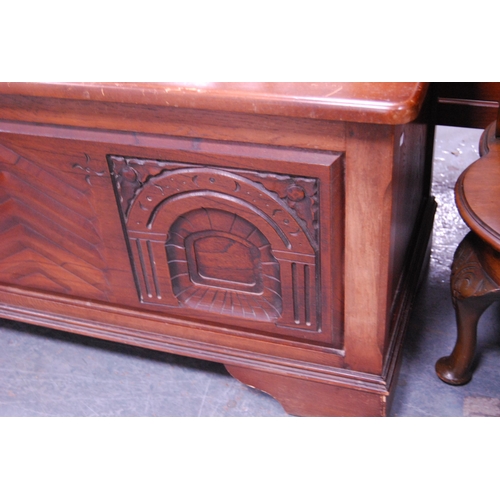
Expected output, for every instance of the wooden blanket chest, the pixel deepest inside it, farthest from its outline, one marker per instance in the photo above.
(279, 229)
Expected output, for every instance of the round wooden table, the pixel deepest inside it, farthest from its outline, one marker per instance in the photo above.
(475, 277)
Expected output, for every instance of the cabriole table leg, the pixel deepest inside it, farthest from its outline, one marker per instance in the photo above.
(473, 291)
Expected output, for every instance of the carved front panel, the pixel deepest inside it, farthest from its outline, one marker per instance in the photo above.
(224, 242)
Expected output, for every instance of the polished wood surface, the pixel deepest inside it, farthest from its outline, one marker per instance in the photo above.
(473, 291)
(391, 103)
(475, 279)
(478, 192)
(280, 229)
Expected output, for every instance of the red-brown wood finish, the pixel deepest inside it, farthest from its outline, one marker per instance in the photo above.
(280, 229)
(475, 280)
(390, 103)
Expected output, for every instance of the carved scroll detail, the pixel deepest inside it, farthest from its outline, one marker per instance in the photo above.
(88, 170)
(300, 194)
(130, 175)
(468, 276)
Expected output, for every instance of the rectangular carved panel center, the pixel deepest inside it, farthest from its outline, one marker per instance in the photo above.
(224, 241)
(224, 261)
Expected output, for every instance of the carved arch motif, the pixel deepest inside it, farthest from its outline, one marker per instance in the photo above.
(221, 263)
(183, 222)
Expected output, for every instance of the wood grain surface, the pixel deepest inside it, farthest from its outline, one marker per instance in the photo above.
(280, 229)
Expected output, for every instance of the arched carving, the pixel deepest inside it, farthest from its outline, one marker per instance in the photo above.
(221, 263)
(146, 209)
(182, 220)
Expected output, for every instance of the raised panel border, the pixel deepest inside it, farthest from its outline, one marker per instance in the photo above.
(268, 167)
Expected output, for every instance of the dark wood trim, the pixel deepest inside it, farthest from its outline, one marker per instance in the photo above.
(466, 104)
